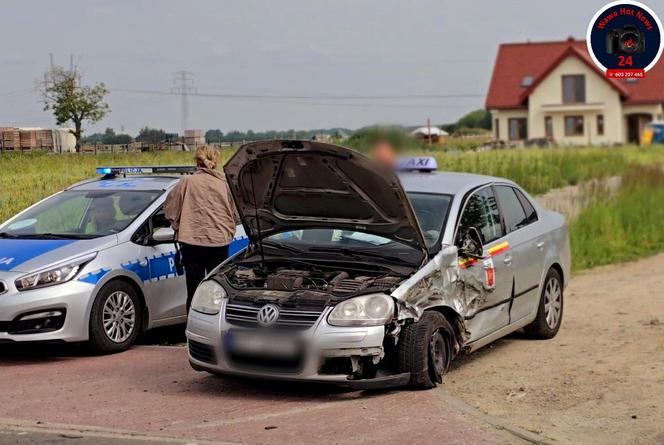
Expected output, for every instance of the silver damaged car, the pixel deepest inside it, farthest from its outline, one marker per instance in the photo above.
(360, 276)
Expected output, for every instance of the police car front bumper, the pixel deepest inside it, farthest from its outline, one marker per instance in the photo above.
(55, 313)
(330, 354)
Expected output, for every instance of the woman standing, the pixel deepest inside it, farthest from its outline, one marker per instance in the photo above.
(203, 214)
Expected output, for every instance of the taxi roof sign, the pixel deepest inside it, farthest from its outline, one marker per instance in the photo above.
(425, 164)
(145, 170)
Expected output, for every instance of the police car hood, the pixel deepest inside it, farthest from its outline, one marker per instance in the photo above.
(27, 255)
(288, 185)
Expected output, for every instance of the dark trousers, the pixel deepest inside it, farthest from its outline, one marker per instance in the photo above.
(197, 262)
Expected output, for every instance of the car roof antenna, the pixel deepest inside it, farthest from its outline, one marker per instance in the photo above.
(258, 223)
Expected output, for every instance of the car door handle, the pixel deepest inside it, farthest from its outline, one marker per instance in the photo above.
(508, 260)
(540, 245)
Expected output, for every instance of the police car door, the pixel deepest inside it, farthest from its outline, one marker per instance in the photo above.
(488, 281)
(166, 289)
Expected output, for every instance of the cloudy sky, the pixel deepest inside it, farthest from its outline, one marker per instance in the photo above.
(388, 56)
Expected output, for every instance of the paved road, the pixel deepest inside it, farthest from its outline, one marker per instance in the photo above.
(54, 395)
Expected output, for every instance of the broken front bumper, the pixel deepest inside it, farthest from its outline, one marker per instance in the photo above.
(328, 354)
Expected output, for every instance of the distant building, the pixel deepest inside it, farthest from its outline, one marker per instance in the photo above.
(554, 90)
(423, 133)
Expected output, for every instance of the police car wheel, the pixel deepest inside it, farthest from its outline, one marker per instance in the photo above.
(550, 310)
(425, 350)
(115, 319)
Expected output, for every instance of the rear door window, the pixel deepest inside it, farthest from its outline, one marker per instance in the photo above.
(513, 213)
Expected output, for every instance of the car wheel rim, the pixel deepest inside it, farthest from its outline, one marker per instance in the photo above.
(119, 317)
(553, 303)
(437, 349)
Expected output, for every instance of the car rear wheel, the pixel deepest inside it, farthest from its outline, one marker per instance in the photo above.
(550, 310)
(115, 318)
(425, 350)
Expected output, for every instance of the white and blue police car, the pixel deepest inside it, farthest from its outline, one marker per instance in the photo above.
(95, 262)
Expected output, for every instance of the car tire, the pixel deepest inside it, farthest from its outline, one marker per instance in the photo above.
(550, 309)
(115, 320)
(425, 350)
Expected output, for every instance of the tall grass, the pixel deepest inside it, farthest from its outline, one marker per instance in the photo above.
(26, 178)
(625, 227)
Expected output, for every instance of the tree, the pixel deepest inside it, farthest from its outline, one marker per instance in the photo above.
(476, 119)
(151, 135)
(70, 101)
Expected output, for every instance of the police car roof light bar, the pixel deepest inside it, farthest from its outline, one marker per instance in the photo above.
(110, 172)
(424, 164)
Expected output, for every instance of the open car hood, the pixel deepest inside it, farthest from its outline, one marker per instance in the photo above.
(303, 184)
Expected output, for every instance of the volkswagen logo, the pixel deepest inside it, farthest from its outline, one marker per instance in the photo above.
(268, 315)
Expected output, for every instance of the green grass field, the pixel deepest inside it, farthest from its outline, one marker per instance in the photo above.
(609, 230)
(627, 226)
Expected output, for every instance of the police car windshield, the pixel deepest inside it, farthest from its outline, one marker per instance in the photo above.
(81, 214)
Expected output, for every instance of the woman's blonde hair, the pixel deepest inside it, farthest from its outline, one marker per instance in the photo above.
(207, 157)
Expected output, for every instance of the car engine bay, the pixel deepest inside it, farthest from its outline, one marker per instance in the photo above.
(285, 276)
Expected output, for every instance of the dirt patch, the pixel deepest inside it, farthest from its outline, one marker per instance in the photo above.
(570, 200)
(601, 380)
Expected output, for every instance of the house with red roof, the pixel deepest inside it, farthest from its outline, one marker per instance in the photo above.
(554, 90)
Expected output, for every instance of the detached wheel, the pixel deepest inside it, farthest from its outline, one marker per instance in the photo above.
(550, 310)
(115, 318)
(425, 350)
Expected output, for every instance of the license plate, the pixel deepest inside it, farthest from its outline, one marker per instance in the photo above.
(261, 344)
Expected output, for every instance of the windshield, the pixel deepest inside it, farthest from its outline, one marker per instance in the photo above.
(81, 214)
(345, 242)
(431, 211)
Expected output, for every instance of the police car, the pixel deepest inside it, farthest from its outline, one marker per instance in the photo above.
(95, 262)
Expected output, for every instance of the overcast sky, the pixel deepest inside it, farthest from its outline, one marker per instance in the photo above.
(273, 48)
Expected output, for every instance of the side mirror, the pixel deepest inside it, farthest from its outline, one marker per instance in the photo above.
(471, 244)
(165, 235)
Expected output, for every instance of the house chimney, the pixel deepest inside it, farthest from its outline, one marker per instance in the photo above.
(570, 39)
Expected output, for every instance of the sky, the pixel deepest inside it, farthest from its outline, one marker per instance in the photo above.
(390, 57)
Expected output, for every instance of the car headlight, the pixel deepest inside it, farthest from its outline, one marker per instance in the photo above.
(367, 310)
(207, 298)
(56, 275)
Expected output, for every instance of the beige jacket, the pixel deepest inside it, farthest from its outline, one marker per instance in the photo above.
(201, 209)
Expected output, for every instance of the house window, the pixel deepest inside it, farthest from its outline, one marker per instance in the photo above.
(496, 124)
(573, 125)
(518, 129)
(600, 124)
(574, 89)
(548, 127)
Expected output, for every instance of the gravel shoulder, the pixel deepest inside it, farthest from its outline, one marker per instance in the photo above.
(601, 380)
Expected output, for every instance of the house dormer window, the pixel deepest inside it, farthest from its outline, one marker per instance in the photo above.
(574, 89)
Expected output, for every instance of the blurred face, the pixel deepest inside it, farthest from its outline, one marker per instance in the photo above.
(384, 153)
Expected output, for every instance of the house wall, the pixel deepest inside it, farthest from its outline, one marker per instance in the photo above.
(503, 117)
(601, 98)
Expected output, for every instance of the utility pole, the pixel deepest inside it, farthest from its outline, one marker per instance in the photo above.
(429, 130)
(183, 84)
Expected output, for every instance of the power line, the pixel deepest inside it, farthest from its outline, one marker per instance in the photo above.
(321, 97)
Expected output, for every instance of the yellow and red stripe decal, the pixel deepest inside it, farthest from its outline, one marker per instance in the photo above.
(492, 251)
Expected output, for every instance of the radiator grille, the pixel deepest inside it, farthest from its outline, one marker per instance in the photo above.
(294, 319)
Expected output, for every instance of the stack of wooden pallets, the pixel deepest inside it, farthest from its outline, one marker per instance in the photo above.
(10, 139)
